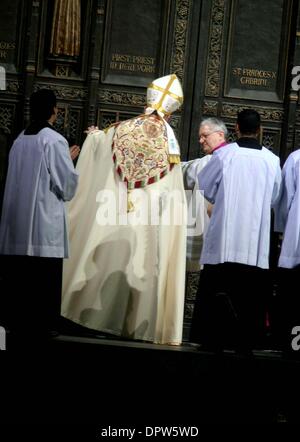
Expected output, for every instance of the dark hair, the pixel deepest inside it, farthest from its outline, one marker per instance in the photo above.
(42, 105)
(248, 121)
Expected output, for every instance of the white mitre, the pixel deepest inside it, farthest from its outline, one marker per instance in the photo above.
(165, 95)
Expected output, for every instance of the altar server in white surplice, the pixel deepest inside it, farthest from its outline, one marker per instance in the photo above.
(33, 231)
(126, 275)
(287, 220)
(242, 181)
(287, 213)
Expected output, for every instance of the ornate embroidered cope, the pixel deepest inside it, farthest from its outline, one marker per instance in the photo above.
(140, 151)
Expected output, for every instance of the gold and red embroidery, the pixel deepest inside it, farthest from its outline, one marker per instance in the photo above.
(140, 151)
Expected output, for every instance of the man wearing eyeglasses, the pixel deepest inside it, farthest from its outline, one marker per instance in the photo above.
(242, 181)
(212, 135)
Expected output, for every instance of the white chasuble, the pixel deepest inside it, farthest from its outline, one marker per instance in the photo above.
(126, 271)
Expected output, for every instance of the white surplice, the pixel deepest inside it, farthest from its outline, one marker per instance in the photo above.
(198, 218)
(41, 177)
(243, 184)
(128, 280)
(287, 212)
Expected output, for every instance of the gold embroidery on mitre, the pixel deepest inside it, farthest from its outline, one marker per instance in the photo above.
(162, 103)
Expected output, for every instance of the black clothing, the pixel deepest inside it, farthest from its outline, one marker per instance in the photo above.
(249, 143)
(230, 308)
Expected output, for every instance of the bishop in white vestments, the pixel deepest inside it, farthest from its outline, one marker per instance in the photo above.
(126, 274)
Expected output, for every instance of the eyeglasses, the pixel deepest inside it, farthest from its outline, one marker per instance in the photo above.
(205, 136)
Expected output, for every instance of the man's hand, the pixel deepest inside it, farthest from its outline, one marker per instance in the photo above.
(209, 209)
(74, 151)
